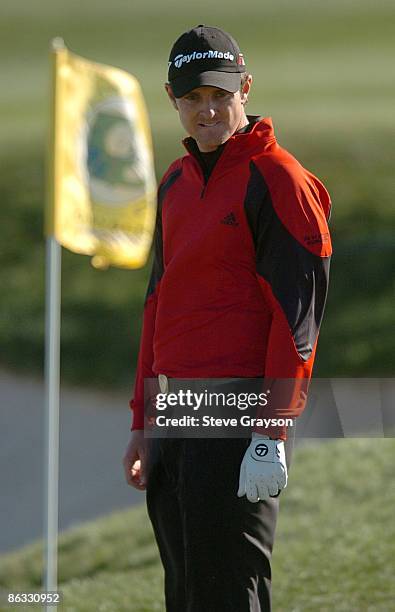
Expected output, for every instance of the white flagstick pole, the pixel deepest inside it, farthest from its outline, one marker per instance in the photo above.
(52, 348)
(52, 368)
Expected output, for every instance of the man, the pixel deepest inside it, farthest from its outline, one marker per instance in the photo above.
(237, 290)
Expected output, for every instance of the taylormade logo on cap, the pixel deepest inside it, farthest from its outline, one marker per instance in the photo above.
(205, 56)
(198, 55)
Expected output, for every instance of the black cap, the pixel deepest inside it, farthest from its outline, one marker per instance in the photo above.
(205, 56)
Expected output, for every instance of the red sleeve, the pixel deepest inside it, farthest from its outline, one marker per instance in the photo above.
(146, 352)
(287, 212)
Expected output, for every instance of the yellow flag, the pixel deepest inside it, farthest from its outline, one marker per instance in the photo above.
(102, 190)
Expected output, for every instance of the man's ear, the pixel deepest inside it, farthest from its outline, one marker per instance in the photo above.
(171, 95)
(245, 88)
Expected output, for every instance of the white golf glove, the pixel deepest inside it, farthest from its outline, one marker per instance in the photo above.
(263, 471)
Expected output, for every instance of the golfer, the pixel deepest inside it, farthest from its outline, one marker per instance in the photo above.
(237, 291)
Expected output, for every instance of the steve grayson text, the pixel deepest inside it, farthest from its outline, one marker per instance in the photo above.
(210, 421)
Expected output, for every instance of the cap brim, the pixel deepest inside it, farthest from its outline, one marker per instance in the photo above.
(230, 81)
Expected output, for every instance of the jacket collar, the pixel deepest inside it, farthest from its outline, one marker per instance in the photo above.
(260, 135)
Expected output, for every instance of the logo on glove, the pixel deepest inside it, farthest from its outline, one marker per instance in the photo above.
(261, 450)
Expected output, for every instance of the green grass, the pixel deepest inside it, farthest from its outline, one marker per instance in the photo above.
(333, 547)
(321, 71)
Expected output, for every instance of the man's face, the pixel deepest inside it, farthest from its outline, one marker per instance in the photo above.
(210, 114)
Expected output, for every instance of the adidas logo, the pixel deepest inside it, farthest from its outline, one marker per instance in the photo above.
(230, 219)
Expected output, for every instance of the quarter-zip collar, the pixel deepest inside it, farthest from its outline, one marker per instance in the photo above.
(260, 135)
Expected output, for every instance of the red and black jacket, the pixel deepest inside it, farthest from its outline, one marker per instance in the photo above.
(241, 268)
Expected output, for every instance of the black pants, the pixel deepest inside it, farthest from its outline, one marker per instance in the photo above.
(215, 547)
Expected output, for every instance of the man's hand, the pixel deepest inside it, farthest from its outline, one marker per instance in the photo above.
(263, 471)
(134, 460)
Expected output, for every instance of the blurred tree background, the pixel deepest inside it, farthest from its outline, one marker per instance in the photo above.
(322, 71)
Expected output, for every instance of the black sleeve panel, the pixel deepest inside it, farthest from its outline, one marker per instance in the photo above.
(157, 267)
(297, 277)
